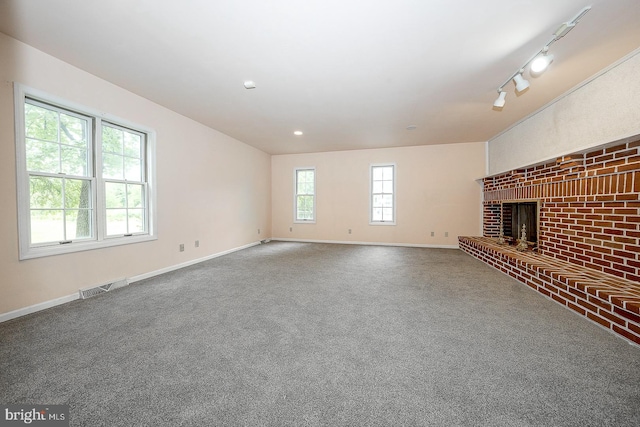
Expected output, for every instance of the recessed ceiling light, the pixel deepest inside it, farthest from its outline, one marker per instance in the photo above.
(297, 133)
(249, 84)
(412, 127)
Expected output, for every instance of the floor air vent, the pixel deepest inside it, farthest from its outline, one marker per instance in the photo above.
(101, 289)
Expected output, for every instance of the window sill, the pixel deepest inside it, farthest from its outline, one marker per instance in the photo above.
(44, 251)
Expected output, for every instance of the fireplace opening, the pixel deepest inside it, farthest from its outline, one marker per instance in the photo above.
(517, 214)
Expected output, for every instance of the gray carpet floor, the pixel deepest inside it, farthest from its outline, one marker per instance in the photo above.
(296, 334)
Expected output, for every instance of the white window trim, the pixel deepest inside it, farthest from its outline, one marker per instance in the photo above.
(371, 221)
(295, 196)
(25, 250)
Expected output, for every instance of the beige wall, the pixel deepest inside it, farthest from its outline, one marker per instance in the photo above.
(436, 191)
(604, 110)
(220, 191)
(210, 187)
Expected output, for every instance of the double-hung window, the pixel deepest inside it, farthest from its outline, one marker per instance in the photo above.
(305, 195)
(123, 173)
(85, 180)
(382, 201)
(58, 151)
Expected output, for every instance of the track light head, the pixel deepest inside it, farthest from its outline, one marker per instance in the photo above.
(499, 103)
(521, 83)
(540, 64)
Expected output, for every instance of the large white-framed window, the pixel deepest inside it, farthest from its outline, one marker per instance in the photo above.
(85, 179)
(382, 199)
(304, 209)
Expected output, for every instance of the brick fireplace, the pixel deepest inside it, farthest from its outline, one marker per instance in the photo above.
(587, 250)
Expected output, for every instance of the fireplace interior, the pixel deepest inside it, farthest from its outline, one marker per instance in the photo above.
(514, 215)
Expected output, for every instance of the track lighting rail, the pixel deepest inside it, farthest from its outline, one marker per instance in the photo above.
(522, 84)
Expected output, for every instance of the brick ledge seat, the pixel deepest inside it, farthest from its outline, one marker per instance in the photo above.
(610, 301)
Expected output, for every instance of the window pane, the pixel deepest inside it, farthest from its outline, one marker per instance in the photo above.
(116, 221)
(387, 173)
(112, 140)
(73, 131)
(387, 200)
(132, 144)
(74, 161)
(112, 166)
(377, 214)
(77, 193)
(387, 187)
(305, 207)
(377, 173)
(136, 220)
(305, 182)
(387, 214)
(42, 156)
(40, 123)
(309, 205)
(47, 226)
(45, 192)
(116, 195)
(135, 196)
(377, 187)
(307, 188)
(78, 224)
(133, 170)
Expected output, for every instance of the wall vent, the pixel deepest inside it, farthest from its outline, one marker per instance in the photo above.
(101, 289)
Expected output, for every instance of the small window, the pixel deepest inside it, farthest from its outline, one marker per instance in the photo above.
(383, 194)
(305, 195)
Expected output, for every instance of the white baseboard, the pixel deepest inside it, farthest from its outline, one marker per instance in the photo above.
(350, 242)
(63, 300)
(37, 307)
(187, 264)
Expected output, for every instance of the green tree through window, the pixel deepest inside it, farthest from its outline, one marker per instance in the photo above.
(57, 156)
(123, 160)
(85, 179)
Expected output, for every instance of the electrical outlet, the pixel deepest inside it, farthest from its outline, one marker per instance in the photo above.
(349, 231)
(258, 231)
(446, 234)
(197, 243)
(433, 234)
(181, 247)
(290, 228)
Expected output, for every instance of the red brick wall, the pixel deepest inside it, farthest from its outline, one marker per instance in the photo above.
(590, 207)
(491, 220)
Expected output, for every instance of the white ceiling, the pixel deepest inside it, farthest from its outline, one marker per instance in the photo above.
(349, 73)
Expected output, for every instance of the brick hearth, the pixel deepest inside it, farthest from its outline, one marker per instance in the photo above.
(588, 252)
(608, 300)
